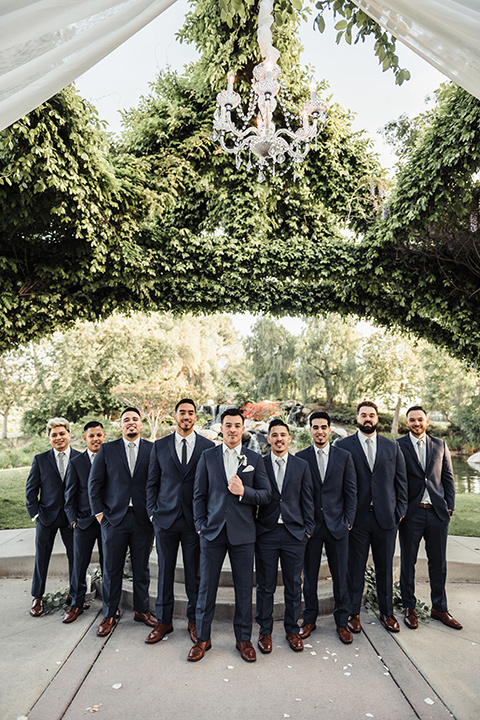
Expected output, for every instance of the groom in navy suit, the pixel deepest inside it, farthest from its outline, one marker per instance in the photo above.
(283, 527)
(86, 529)
(229, 484)
(335, 484)
(117, 492)
(382, 503)
(171, 473)
(45, 505)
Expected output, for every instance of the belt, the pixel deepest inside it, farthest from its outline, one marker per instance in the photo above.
(427, 506)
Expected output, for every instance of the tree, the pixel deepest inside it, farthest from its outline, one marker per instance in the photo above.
(271, 351)
(16, 380)
(329, 356)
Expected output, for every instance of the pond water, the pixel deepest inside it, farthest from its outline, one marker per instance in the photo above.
(467, 479)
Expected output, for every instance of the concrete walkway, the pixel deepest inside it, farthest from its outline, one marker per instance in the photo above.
(50, 671)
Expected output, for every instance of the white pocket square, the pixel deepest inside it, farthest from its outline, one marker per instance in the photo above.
(249, 468)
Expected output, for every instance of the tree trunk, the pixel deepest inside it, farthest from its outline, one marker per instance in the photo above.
(396, 414)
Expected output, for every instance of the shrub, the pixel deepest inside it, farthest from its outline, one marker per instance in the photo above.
(260, 410)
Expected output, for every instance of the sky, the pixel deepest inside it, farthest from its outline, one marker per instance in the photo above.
(355, 80)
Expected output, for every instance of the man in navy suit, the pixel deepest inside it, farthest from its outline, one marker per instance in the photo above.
(171, 473)
(283, 527)
(381, 505)
(45, 504)
(86, 529)
(229, 483)
(431, 501)
(335, 485)
(117, 493)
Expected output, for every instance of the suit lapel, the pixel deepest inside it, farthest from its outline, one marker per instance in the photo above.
(270, 472)
(359, 449)
(314, 465)
(330, 464)
(428, 454)
(221, 467)
(53, 462)
(173, 453)
(123, 453)
(195, 455)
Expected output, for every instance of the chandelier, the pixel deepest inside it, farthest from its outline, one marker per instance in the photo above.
(261, 144)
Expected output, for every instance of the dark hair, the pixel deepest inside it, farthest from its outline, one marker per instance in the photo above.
(184, 401)
(277, 422)
(367, 403)
(91, 424)
(319, 415)
(231, 412)
(131, 409)
(416, 407)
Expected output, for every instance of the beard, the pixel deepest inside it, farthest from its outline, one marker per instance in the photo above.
(367, 429)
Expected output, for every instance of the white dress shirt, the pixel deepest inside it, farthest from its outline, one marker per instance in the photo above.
(276, 470)
(425, 497)
(190, 442)
(325, 452)
(363, 442)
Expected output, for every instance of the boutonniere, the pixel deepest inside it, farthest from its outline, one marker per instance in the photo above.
(242, 460)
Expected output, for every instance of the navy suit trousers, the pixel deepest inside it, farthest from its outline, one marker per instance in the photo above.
(424, 523)
(337, 556)
(83, 542)
(367, 533)
(167, 542)
(116, 539)
(44, 541)
(270, 547)
(212, 555)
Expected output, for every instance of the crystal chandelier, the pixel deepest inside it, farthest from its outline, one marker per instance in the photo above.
(262, 143)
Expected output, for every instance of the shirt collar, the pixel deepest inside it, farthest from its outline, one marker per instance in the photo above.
(65, 452)
(135, 442)
(415, 439)
(325, 450)
(190, 438)
(275, 457)
(363, 438)
(237, 448)
(91, 455)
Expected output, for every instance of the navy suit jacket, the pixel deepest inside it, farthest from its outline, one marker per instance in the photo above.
(77, 504)
(336, 497)
(214, 505)
(44, 489)
(110, 485)
(169, 484)
(386, 485)
(437, 477)
(295, 502)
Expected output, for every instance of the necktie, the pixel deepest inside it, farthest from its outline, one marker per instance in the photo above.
(421, 453)
(321, 464)
(370, 459)
(61, 464)
(280, 472)
(184, 451)
(131, 457)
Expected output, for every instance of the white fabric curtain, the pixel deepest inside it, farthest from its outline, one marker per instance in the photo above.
(46, 44)
(446, 33)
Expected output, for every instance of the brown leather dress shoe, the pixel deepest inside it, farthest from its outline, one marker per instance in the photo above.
(345, 635)
(192, 629)
(106, 626)
(306, 629)
(158, 633)
(147, 618)
(118, 614)
(37, 608)
(445, 618)
(247, 651)
(86, 605)
(390, 623)
(72, 614)
(265, 643)
(198, 650)
(295, 641)
(410, 618)
(354, 624)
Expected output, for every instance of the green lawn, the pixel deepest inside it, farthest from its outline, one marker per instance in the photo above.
(13, 514)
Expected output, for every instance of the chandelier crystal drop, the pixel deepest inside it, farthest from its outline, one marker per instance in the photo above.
(261, 144)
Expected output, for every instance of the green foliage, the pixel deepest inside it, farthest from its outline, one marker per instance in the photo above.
(271, 351)
(55, 601)
(371, 603)
(357, 25)
(468, 418)
(19, 453)
(13, 513)
(466, 518)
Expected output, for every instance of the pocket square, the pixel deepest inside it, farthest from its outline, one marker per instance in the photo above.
(249, 468)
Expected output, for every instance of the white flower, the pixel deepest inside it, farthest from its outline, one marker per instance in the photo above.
(242, 460)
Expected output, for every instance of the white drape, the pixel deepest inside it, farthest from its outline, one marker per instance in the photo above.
(446, 33)
(46, 44)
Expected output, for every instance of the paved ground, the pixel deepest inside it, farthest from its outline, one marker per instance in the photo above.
(51, 671)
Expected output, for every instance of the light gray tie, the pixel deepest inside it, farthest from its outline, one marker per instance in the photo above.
(321, 464)
(421, 453)
(370, 457)
(280, 472)
(131, 457)
(61, 464)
